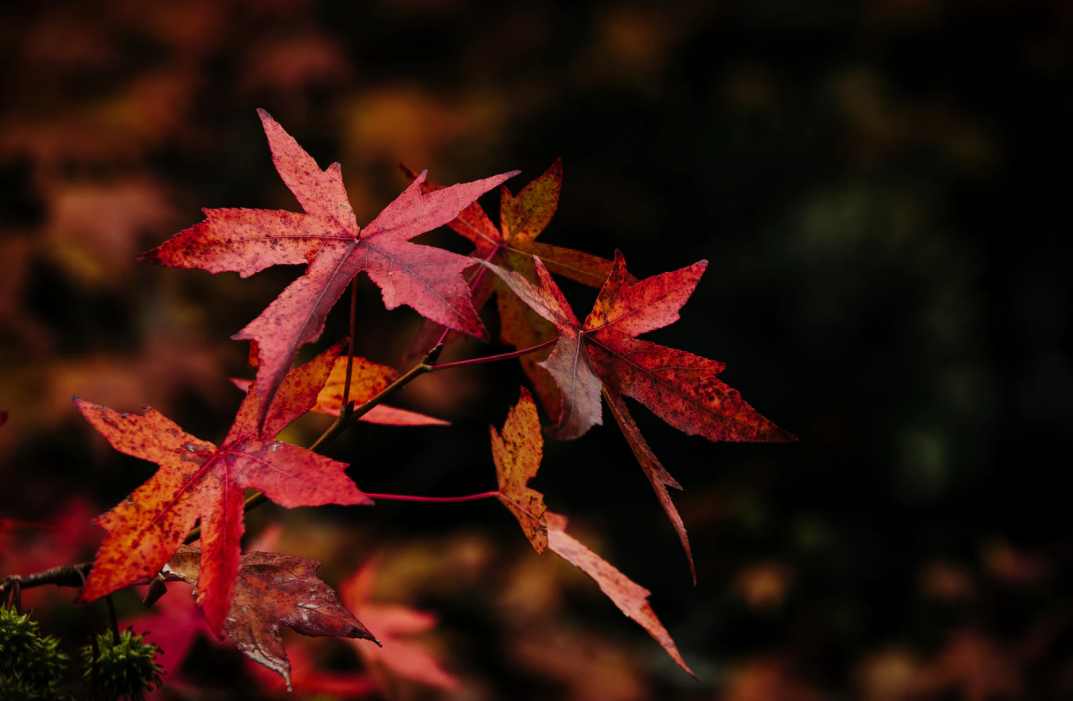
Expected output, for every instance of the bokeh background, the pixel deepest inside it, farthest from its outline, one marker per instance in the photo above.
(881, 188)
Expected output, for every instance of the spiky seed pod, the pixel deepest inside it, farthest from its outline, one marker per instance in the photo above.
(125, 668)
(31, 665)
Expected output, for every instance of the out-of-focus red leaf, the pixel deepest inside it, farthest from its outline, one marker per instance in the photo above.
(763, 585)
(94, 230)
(394, 624)
(765, 679)
(10, 525)
(272, 591)
(292, 63)
(603, 354)
(1012, 566)
(67, 537)
(174, 625)
(326, 238)
(308, 679)
(978, 668)
(199, 480)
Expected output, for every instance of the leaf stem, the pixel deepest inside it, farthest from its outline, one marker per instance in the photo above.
(345, 420)
(433, 500)
(426, 365)
(345, 406)
(493, 358)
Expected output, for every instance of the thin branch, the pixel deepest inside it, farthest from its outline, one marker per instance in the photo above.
(345, 421)
(434, 500)
(350, 347)
(426, 365)
(62, 576)
(493, 358)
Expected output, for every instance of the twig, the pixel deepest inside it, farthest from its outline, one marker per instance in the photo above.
(434, 500)
(345, 408)
(345, 420)
(62, 576)
(493, 358)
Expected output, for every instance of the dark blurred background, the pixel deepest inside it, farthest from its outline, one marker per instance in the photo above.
(880, 188)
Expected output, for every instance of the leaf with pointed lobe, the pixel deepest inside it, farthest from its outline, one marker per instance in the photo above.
(603, 355)
(273, 590)
(327, 239)
(198, 480)
(512, 246)
(517, 453)
(367, 380)
(630, 597)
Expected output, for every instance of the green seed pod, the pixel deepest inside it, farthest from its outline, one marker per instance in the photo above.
(31, 666)
(125, 668)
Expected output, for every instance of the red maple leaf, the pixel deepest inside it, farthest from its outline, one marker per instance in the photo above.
(328, 240)
(199, 480)
(273, 590)
(512, 246)
(604, 355)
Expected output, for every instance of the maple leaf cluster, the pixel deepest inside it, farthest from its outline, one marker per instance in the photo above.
(198, 490)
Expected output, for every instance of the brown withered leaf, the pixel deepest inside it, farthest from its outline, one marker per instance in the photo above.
(274, 590)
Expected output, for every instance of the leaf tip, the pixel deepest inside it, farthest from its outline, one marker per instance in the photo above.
(150, 256)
